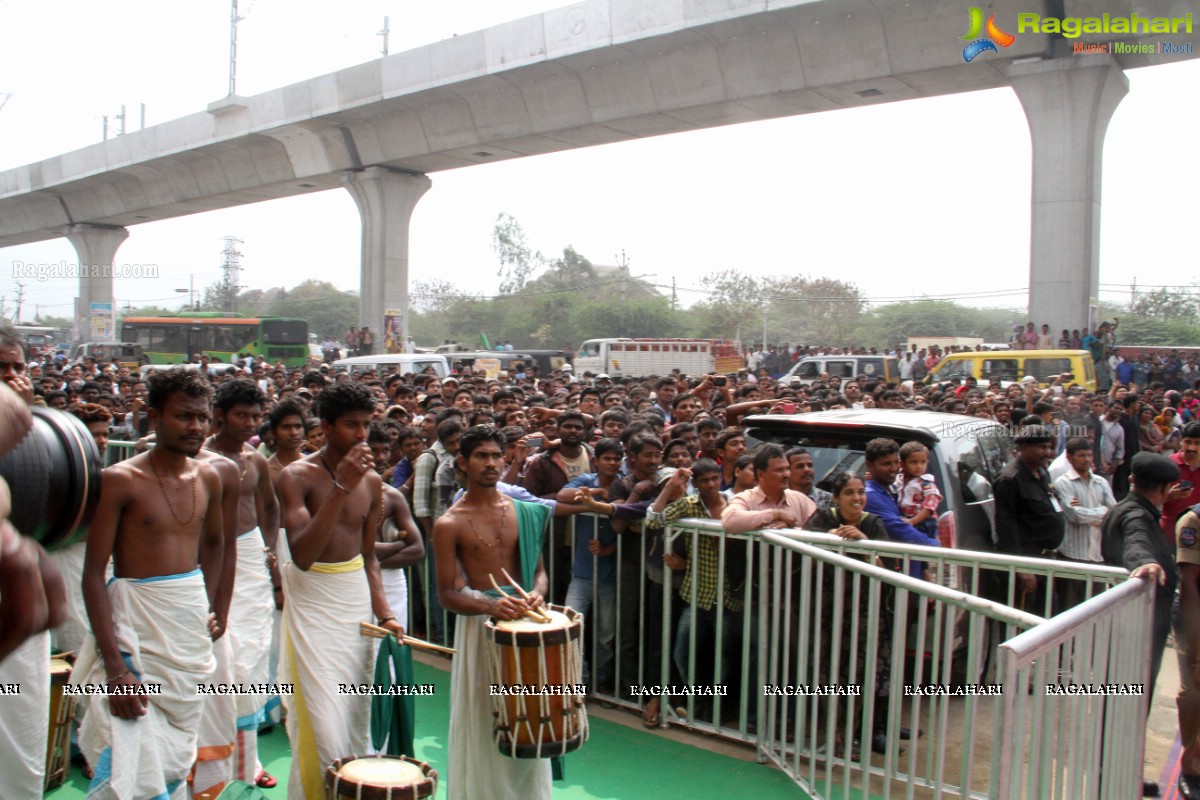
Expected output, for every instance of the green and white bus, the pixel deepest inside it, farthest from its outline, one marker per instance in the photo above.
(220, 336)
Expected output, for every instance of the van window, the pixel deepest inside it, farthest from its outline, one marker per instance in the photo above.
(420, 366)
(1047, 369)
(956, 368)
(589, 350)
(809, 369)
(840, 369)
(1000, 369)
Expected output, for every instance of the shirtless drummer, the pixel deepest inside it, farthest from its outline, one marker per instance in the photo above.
(480, 535)
(238, 406)
(330, 503)
(159, 511)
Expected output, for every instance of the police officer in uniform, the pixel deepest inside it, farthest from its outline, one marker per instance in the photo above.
(1029, 517)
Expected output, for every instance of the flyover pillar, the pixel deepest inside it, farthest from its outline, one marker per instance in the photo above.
(95, 311)
(386, 200)
(1068, 102)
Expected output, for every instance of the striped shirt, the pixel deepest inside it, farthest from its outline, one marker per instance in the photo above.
(1081, 539)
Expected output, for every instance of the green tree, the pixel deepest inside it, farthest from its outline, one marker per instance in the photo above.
(801, 309)
(732, 308)
(891, 324)
(518, 261)
(328, 310)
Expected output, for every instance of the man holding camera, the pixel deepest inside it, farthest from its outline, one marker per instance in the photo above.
(32, 600)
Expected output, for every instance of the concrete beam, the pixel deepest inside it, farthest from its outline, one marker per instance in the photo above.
(385, 200)
(1069, 103)
(96, 246)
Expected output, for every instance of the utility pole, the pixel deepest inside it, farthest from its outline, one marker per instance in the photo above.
(1132, 295)
(384, 33)
(20, 300)
(764, 313)
(233, 23)
(674, 297)
(229, 277)
(623, 265)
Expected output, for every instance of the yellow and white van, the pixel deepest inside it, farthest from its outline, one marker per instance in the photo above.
(1009, 366)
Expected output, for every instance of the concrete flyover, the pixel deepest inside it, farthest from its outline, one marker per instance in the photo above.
(592, 73)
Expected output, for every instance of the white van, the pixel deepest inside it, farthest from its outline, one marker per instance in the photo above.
(398, 363)
(810, 368)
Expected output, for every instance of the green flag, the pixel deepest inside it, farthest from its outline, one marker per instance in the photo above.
(484, 344)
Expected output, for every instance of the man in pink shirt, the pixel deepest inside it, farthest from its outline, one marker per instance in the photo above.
(771, 504)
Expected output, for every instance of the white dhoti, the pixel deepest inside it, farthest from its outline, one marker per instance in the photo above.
(477, 768)
(162, 631)
(217, 735)
(322, 649)
(250, 628)
(25, 717)
(69, 635)
(395, 589)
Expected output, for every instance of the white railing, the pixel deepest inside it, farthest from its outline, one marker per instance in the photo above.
(810, 609)
(1078, 745)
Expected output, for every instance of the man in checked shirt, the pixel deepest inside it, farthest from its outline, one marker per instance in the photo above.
(703, 581)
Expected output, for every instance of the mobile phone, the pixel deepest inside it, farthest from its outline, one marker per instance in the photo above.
(1185, 485)
(1070, 376)
(535, 442)
(787, 408)
(720, 380)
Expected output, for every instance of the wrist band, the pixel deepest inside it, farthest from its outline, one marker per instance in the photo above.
(118, 677)
(388, 618)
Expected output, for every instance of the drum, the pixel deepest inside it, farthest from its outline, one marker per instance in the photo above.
(379, 778)
(62, 712)
(537, 668)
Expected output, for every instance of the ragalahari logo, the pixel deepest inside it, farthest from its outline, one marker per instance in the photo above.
(995, 36)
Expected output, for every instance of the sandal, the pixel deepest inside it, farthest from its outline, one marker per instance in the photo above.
(265, 780)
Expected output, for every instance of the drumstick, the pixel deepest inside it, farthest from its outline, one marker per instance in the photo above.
(524, 594)
(529, 612)
(376, 632)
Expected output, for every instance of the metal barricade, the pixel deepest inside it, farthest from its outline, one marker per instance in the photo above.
(1078, 730)
(119, 451)
(818, 651)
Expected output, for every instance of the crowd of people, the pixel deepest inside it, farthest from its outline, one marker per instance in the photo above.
(368, 474)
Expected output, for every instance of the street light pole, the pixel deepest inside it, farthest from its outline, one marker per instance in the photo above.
(191, 292)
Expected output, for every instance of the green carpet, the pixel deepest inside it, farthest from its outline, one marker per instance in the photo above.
(616, 762)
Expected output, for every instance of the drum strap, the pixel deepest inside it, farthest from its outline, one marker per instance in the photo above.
(392, 717)
(531, 530)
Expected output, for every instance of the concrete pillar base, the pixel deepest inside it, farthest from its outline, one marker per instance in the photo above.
(1068, 102)
(385, 200)
(96, 246)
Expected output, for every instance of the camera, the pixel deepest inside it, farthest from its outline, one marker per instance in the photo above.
(54, 476)
(720, 380)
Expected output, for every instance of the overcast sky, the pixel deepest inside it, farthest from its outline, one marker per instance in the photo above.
(924, 198)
